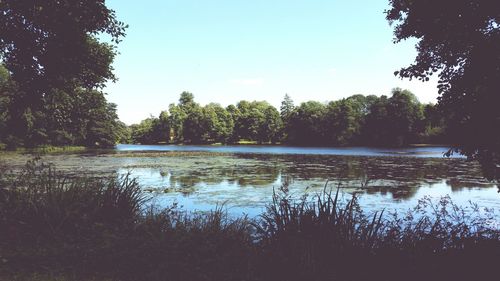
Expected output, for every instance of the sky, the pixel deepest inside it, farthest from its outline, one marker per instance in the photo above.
(225, 51)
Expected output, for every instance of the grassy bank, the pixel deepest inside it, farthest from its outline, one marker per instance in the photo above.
(56, 228)
(46, 149)
(57, 149)
(168, 154)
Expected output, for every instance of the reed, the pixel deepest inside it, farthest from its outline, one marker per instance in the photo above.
(54, 227)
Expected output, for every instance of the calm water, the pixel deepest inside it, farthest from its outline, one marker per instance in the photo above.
(243, 177)
(431, 151)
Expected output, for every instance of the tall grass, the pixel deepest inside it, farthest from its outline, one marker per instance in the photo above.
(325, 238)
(48, 220)
(103, 229)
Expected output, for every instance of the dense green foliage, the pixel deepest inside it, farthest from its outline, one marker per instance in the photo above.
(55, 66)
(83, 117)
(459, 40)
(85, 229)
(357, 120)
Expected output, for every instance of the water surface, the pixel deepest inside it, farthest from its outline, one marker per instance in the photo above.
(243, 177)
(416, 151)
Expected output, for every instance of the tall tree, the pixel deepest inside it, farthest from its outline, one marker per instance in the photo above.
(102, 128)
(7, 89)
(286, 110)
(460, 41)
(377, 127)
(307, 124)
(143, 132)
(123, 133)
(195, 128)
(161, 128)
(434, 125)
(220, 123)
(234, 112)
(343, 122)
(186, 99)
(394, 121)
(50, 48)
(176, 121)
(404, 112)
(242, 120)
(271, 127)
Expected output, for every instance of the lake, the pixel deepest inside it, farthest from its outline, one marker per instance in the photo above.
(425, 151)
(242, 178)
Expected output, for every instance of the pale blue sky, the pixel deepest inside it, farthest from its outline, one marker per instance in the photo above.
(228, 50)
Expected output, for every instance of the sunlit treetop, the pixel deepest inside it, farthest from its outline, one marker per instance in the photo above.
(53, 43)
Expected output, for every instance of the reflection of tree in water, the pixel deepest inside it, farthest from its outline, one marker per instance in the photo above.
(396, 192)
(244, 172)
(399, 176)
(463, 183)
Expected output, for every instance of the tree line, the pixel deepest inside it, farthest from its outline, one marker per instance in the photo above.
(357, 120)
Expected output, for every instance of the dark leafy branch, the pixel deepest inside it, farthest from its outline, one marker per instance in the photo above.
(459, 40)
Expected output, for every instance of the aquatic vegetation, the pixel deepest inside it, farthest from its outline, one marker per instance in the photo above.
(168, 154)
(84, 228)
(245, 181)
(57, 149)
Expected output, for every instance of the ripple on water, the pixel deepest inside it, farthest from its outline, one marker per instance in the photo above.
(245, 181)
